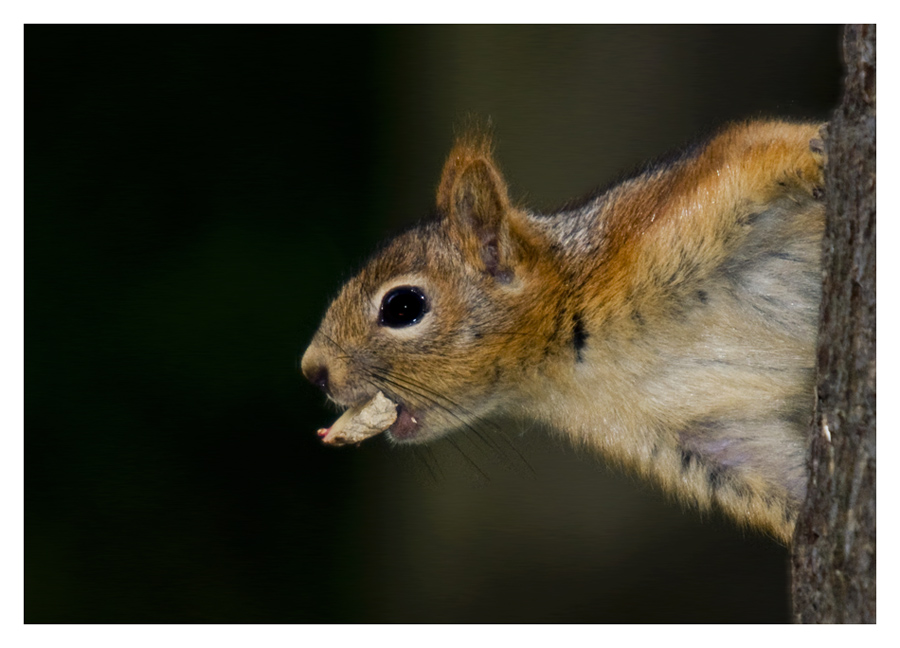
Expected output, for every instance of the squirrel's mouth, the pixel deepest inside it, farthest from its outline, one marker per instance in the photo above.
(377, 415)
(407, 425)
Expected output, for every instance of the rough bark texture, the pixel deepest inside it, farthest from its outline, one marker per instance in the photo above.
(834, 544)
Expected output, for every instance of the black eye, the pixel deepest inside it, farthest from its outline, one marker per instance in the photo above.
(402, 306)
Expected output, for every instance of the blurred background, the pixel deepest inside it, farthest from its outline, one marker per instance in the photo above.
(195, 196)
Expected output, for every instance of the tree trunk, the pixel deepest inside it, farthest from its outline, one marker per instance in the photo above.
(834, 544)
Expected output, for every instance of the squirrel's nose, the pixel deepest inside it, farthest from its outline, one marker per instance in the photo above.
(318, 376)
(314, 366)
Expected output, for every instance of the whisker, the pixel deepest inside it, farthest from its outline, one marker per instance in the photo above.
(414, 389)
(467, 458)
(488, 441)
(334, 342)
(490, 424)
(425, 454)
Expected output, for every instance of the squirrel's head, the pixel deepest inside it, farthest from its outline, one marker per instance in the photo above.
(435, 319)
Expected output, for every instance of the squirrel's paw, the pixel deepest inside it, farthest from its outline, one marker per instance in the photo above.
(820, 159)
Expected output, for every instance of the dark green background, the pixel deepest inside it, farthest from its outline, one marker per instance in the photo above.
(194, 196)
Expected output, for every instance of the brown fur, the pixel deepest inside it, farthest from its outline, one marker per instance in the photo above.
(668, 323)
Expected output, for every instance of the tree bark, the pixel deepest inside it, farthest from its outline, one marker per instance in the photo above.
(833, 558)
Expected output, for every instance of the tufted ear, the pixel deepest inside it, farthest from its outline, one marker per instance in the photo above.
(473, 198)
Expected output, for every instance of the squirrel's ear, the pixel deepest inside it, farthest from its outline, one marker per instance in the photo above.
(474, 199)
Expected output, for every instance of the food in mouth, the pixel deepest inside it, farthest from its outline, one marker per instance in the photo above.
(361, 422)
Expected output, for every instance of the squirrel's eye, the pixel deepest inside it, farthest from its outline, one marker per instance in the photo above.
(402, 306)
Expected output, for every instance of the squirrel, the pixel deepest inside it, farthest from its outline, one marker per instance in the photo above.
(668, 323)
